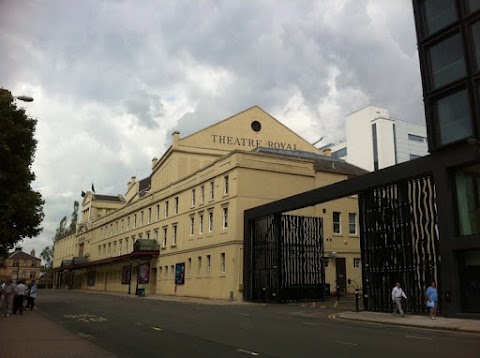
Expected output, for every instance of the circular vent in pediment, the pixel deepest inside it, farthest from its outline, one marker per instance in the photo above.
(256, 126)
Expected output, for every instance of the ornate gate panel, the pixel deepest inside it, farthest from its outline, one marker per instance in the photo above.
(287, 259)
(399, 243)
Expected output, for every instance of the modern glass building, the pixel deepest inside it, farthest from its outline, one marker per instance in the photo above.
(448, 33)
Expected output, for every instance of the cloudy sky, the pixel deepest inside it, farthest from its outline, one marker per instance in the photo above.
(113, 79)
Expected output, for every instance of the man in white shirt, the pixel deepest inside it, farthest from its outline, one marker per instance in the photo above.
(19, 296)
(397, 295)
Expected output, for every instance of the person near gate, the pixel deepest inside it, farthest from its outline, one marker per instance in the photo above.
(20, 290)
(397, 295)
(32, 295)
(432, 299)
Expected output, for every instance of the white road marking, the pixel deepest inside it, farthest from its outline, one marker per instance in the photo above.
(347, 343)
(248, 352)
(156, 328)
(310, 324)
(246, 326)
(245, 315)
(138, 324)
(418, 337)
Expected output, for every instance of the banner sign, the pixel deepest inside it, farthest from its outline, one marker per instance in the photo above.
(144, 273)
(180, 273)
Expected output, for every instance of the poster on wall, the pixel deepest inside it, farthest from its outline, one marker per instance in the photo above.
(180, 273)
(144, 273)
(126, 274)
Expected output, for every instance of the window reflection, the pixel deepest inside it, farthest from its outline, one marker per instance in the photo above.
(476, 43)
(453, 117)
(437, 14)
(473, 5)
(467, 184)
(446, 61)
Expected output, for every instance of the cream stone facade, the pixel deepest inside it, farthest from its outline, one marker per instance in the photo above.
(192, 206)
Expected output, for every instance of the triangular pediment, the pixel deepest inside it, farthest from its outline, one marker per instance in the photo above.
(247, 130)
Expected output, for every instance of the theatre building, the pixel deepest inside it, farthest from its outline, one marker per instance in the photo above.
(180, 231)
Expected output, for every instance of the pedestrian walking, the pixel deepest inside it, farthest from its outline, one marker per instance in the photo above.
(9, 293)
(397, 295)
(32, 295)
(2, 298)
(19, 296)
(432, 299)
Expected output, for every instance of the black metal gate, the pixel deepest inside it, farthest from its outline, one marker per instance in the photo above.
(287, 259)
(399, 243)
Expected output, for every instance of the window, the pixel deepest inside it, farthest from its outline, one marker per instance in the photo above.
(157, 215)
(192, 225)
(109, 248)
(165, 232)
(189, 266)
(437, 14)
(375, 146)
(141, 218)
(121, 226)
(128, 223)
(99, 250)
(166, 271)
(446, 61)
(356, 262)
(175, 205)
(200, 224)
(336, 223)
(416, 138)
(148, 235)
(149, 216)
(225, 218)
(172, 271)
(452, 114)
(209, 262)
(202, 194)
(225, 185)
(467, 190)
(120, 244)
(325, 262)
(222, 262)
(199, 265)
(155, 235)
(476, 43)
(193, 197)
(473, 5)
(352, 223)
(114, 248)
(210, 221)
(134, 221)
(174, 235)
(212, 190)
(339, 153)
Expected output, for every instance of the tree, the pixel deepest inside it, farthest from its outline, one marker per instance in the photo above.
(47, 257)
(21, 208)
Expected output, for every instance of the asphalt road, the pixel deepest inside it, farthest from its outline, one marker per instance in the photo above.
(140, 327)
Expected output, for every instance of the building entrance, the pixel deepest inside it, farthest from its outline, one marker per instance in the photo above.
(341, 270)
(470, 268)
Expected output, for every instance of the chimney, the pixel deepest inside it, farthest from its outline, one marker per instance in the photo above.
(154, 162)
(18, 248)
(131, 183)
(176, 138)
(32, 253)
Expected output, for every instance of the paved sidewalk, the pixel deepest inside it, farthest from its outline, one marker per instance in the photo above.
(32, 335)
(442, 323)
